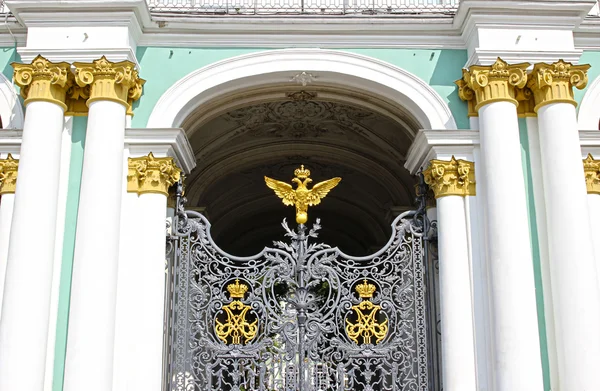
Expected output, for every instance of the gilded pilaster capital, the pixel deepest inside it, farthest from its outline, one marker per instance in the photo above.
(468, 95)
(495, 83)
(118, 82)
(9, 169)
(453, 177)
(148, 174)
(526, 102)
(553, 83)
(591, 169)
(43, 80)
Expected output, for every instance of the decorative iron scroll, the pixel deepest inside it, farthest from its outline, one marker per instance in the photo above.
(300, 316)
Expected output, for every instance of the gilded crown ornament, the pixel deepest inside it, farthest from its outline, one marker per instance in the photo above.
(301, 197)
(365, 290)
(9, 168)
(237, 290)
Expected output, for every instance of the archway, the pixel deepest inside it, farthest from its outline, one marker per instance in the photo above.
(340, 114)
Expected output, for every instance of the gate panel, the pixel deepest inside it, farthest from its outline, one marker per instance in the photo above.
(299, 316)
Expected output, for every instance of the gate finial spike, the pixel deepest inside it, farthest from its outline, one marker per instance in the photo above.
(302, 197)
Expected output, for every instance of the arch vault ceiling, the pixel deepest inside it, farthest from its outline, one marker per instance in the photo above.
(237, 148)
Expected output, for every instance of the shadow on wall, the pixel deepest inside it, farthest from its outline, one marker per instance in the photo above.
(448, 68)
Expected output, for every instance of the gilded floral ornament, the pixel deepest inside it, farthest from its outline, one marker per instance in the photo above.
(43, 80)
(553, 83)
(468, 95)
(118, 82)
(526, 102)
(495, 83)
(454, 177)
(148, 174)
(9, 168)
(591, 169)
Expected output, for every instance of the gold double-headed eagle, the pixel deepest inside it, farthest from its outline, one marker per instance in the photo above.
(302, 197)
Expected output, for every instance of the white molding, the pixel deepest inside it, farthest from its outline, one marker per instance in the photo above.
(488, 57)
(331, 68)
(167, 141)
(435, 144)
(72, 55)
(11, 110)
(590, 143)
(10, 142)
(588, 115)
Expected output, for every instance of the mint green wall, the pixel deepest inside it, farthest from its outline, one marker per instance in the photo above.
(162, 67)
(64, 296)
(592, 58)
(7, 56)
(535, 249)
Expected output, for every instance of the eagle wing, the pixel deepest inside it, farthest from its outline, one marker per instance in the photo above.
(283, 190)
(320, 190)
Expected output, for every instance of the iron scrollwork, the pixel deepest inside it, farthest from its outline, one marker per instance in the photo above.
(300, 316)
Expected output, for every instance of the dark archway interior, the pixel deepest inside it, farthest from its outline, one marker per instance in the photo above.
(238, 147)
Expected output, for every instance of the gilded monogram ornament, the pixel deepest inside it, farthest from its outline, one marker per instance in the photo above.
(367, 325)
(9, 168)
(236, 325)
(553, 83)
(302, 197)
(454, 177)
(149, 174)
(591, 169)
(43, 80)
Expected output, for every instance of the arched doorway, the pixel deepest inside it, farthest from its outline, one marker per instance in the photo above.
(265, 118)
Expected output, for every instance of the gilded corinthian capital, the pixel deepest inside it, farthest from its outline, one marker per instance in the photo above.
(553, 83)
(9, 168)
(43, 80)
(591, 169)
(454, 177)
(149, 174)
(118, 82)
(495, 83)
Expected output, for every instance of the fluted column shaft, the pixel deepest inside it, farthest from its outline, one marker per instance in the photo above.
(451, 182)
(90, 345)
(28, 282)
(575, 291)
(517, 360)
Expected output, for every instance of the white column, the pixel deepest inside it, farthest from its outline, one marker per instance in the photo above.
(576, 296)
(594, 205)
(142, 272)
(92, 311)
(517, 359)
(7, 202)
(451, 181)
(90, 344)
(28, 281)
(458, 350)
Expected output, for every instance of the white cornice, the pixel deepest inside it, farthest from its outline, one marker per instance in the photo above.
(84, 55)
(168, 141)
(436, 144)
(488, 57)
(590, 143)
(10, 141)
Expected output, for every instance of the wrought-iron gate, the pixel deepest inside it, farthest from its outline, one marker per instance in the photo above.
(300, 316)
